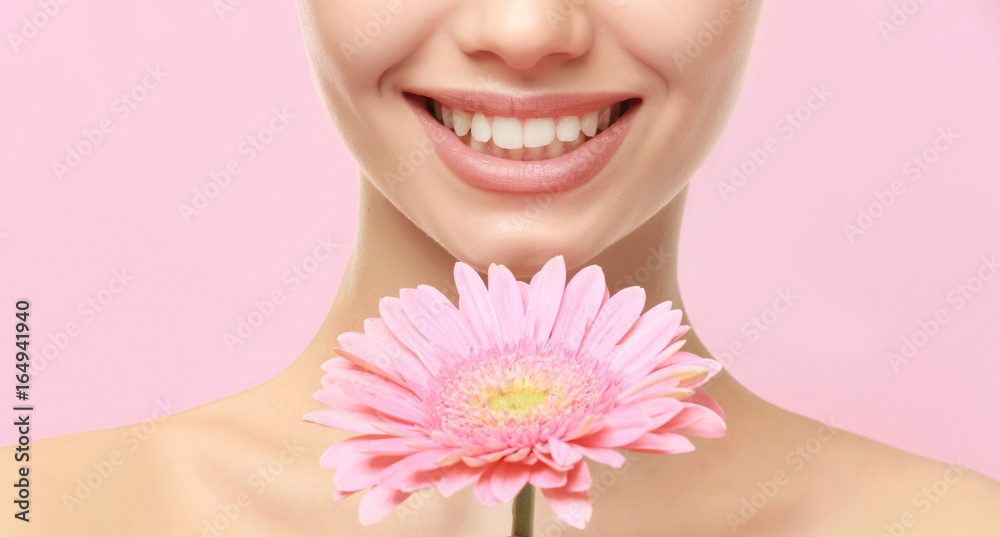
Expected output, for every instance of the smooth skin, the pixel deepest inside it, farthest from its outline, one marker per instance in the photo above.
(247, 465)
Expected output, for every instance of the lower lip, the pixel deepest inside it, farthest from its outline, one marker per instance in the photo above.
(488, 172)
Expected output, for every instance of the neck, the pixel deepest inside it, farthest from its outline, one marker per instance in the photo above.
(391, 253)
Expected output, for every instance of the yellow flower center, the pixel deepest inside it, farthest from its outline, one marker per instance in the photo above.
(518, 401)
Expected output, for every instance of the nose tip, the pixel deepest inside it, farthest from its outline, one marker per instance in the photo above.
(523, 34)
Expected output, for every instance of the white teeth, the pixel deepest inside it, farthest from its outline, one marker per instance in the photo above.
(604, 119)
(480, 127)
(527, 139)
(462, 122)
(588, 123)
(568, 128)
(539, 131)
(447, 116)
(508, 132)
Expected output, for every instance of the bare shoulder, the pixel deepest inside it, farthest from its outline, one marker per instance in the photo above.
(884, 491)
(75, 483)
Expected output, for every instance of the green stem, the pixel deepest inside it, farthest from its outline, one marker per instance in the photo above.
(524, 512)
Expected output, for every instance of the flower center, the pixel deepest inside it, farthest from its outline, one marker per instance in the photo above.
(517, 402)
(518, 395)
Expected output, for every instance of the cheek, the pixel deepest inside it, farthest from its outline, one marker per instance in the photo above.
(688, 41)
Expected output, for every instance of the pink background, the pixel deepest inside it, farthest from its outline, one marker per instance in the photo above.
(158, 341)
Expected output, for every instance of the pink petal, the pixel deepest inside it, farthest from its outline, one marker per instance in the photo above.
(457, 477)
(508, 303)
(334, 454)
(525, 290)
(614, 320)
(574, 508)
(547, 286)
(394, 315)
(359, 422)
(378, 503)
(381, 394)
(583, 296)
(696, 420)
(412, 472)
(507, 480)
(648, 337)
(702, 399)
(620, 429)
(475, 303)
(363, 472)
(438, 321)
(562, 453)
(578, 479)
(484, 489)
(392, 445)
(544, 476)
(661, 443)
(402, 361)
(453, 312)
(369, 367)
(602, 455)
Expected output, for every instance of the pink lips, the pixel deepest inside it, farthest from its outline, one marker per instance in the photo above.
(498, 174)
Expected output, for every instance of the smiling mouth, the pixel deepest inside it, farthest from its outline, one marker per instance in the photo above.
(537, 138)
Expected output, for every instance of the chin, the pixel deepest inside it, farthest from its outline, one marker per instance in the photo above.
(523, 254)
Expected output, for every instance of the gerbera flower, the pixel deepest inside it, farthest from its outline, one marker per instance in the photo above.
(516, 386)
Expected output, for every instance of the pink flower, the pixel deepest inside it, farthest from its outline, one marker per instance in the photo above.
(515, 386)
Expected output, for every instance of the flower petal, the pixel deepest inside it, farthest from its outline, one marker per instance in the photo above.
(507, 302)
(647, 338)
(394, 314)
(362, 472)
(547, 286)
(474, 302)
(620, 429)
(574, 508)
(578, 479)
(614, 320)
(378, 503)
(437, 320)
(484, 489)
(661, 443)
(457, 477)
(562, 453)
(581, 300)
(358, 422)
(544, 476)
(603, 455)
(380, 394)
(508, 479)
(696, 420)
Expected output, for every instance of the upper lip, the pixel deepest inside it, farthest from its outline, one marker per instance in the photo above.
(523, 105)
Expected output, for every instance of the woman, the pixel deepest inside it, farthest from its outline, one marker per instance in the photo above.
(652, 82)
